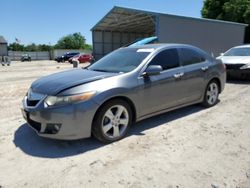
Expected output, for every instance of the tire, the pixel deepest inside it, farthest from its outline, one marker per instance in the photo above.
(108, 126)
(211, 94)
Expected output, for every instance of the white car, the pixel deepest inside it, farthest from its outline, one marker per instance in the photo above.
(237, 61)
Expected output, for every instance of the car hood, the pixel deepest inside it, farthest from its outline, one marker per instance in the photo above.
(235, 59)
(55, 83)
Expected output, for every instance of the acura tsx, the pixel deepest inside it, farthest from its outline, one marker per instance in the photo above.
(126, 86)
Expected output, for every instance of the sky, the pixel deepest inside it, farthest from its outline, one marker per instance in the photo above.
(46, 21)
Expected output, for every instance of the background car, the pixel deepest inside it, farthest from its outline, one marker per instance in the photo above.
(82, 58)
(237, 61)
(25, 57)
(66, 56)
(126, 86)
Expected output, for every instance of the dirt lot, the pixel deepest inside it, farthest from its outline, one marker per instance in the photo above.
(190, 147)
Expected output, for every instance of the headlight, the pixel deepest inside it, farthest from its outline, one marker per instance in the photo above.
(247, 66)
(62, 100)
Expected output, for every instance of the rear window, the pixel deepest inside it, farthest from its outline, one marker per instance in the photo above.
(190, 56)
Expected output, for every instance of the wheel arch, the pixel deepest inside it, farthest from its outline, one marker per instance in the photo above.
(126, 99)
(218, 81)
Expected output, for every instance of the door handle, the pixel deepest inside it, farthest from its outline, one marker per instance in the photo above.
(204, 68)
(178, 75)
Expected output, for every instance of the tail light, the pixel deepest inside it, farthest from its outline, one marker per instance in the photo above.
(222, 64)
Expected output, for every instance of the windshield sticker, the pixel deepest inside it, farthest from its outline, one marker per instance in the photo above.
(145, 50)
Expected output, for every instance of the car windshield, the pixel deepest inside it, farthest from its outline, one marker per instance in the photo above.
(122, 60)
(238, 52)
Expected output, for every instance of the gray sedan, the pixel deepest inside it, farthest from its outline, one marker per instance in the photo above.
(126, 86)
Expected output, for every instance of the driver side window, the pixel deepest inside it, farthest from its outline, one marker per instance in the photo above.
(167, 59)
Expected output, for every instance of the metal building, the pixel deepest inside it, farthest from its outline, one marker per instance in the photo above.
(121, 26)
(3, 47)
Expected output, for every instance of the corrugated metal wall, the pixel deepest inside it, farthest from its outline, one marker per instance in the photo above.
(107, 41)
(212, 36)
(16, 55)
(3, 49)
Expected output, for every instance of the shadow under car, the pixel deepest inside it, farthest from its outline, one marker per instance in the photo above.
(27, 140)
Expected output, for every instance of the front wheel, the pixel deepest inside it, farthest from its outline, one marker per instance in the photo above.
(211, 94)
(112, 121)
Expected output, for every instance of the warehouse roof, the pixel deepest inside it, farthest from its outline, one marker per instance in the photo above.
(133, 20)
(124, 19)
(2, 40)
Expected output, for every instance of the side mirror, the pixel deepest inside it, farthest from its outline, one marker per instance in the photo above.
(221, 54)
(152, 70)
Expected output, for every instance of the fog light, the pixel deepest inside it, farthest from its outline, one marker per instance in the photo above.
(52, 128)
(57, 127)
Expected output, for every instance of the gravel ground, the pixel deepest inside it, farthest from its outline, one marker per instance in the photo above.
(189, 147)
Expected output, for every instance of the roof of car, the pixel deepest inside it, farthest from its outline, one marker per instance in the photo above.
(159, 45)
(243, 46)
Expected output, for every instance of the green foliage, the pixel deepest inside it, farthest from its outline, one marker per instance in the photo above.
(87, 47)
(16, 47)
(213, 9)
(72, 41)
(228, 10)
(234, 10)
(44, 47)
(31, 47)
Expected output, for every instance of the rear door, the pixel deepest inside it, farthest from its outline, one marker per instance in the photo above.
(195, 67)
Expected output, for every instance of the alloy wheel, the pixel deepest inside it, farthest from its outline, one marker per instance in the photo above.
(115, 121)
(212, 93)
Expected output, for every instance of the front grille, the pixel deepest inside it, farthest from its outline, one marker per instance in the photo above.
(32, 102)
(234, 66)
(34, 124)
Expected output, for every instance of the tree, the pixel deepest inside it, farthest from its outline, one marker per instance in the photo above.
(228, 10)
(44, 47)
(88, 47)
(16, 47)
(72, 41)
(31, 47)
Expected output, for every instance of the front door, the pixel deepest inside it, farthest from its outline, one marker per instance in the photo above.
(165, 90)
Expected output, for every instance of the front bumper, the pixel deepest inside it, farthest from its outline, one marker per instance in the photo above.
(238, 73)
(68, 122)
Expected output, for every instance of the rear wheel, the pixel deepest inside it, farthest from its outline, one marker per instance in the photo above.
(211, 94)
(112, 121)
